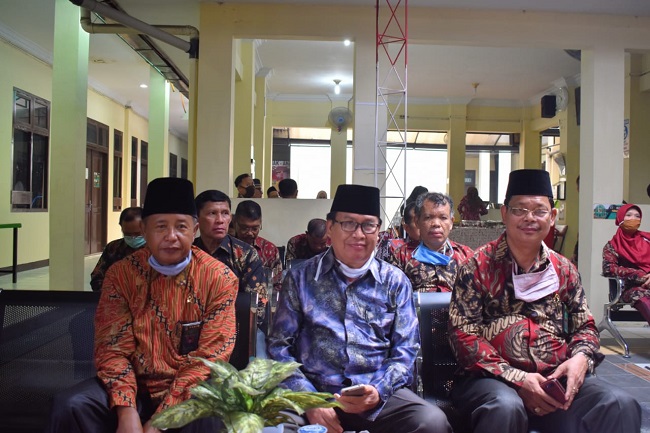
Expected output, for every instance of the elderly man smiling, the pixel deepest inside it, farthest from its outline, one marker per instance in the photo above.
(349, 319)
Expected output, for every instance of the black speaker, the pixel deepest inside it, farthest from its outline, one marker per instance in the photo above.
(548, 106)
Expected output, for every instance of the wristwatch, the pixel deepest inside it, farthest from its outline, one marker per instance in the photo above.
(590, 362)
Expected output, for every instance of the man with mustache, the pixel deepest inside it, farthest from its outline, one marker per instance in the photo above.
(518, 317)
(433, 265)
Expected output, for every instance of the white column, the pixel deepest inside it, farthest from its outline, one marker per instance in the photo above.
(601, 161)
(505, 167)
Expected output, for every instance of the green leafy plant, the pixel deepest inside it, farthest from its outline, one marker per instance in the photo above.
(245, 400)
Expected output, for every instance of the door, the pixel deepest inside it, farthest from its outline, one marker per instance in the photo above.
(96, 194)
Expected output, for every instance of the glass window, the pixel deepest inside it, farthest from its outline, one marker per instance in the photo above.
(30, 164)
(117, 170)
(134, 171)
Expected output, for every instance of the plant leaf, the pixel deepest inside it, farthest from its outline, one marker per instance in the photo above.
(220, 370)
(182, 414)
(244, 422)
(310, 400)
(266, 374)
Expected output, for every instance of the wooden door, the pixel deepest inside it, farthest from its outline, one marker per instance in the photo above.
(96, 194)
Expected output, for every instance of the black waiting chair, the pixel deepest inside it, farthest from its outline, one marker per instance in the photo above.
(436, 363)
(614, 311)
(246, 318)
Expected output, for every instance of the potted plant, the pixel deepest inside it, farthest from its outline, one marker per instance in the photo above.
(245, 400)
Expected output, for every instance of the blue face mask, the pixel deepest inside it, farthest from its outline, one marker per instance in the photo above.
(425, 255)
(170, 270)
(135, 242)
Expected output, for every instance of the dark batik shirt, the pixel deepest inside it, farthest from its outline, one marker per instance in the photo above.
(243, 260)
(494, 334)
(298, 248)
(342, 332)
(402, 253)
(270, 256)
(113, 252)
(437, 278)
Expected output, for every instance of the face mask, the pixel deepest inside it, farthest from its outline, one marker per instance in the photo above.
(170, 270)
(250, 191)
(135, 242)
(535, 285)
(630, 226)
(425, 255)
(355, 272)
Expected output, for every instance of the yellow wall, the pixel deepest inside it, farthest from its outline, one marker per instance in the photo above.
(26, 73)
(31, 75)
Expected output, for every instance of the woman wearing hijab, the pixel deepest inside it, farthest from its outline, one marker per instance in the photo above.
(627, 256)
(471, 207)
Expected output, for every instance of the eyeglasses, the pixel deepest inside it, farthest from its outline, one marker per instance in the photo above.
(521, 211)
(351, 226)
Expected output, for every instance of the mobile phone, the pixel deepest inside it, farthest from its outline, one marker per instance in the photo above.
(354, 390)
(190, 333)
(554, 388)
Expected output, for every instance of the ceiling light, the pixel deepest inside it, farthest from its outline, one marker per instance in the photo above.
(337, 87)
(143, 86)
(346, 42)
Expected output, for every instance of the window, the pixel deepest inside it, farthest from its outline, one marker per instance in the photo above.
(173, 165)
(31, 134)
(117, 169)
(134, 171)
(144, 150)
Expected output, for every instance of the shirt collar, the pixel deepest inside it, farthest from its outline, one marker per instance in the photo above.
(503, 253)
(327, 262)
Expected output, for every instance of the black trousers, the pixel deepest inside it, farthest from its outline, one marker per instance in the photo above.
(404, 412)
(493, 406)
(84, 409)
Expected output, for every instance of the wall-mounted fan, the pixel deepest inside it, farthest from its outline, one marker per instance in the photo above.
(340, 118)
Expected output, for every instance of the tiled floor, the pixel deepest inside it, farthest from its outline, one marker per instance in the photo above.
(615, 369)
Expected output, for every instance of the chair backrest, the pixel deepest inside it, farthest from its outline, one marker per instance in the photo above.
(438, 363)
(282, 250)
(558, 237)
(46, 346)
(246, 319)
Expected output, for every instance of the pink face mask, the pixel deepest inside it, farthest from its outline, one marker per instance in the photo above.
(535, 285)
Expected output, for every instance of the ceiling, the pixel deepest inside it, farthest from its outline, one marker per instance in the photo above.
(306, 69)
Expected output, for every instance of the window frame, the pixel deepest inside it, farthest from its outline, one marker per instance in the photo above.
(32, 128)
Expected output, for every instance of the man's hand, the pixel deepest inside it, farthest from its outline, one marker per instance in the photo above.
(361, 403)
(128, 420)
(534, 397)
(574, 369)
(325, 417)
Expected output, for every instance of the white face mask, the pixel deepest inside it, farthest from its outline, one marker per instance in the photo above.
(535, 285)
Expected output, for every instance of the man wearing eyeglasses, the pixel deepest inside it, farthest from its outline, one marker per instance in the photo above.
(518, 317)
(349, 319)
(248, 223)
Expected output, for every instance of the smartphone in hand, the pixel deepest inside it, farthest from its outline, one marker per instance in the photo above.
(354, 390)
(554, 388)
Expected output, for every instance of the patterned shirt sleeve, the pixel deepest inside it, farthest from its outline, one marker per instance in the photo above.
(611, 268)
(114, 251)
(291, 249)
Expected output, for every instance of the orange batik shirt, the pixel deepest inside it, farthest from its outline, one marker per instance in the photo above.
(137, 327)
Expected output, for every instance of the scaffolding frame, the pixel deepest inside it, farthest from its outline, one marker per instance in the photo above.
(391, 57)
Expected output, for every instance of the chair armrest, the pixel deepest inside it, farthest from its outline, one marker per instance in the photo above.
(616, 286)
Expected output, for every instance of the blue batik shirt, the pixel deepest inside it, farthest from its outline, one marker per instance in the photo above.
(346, 333)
